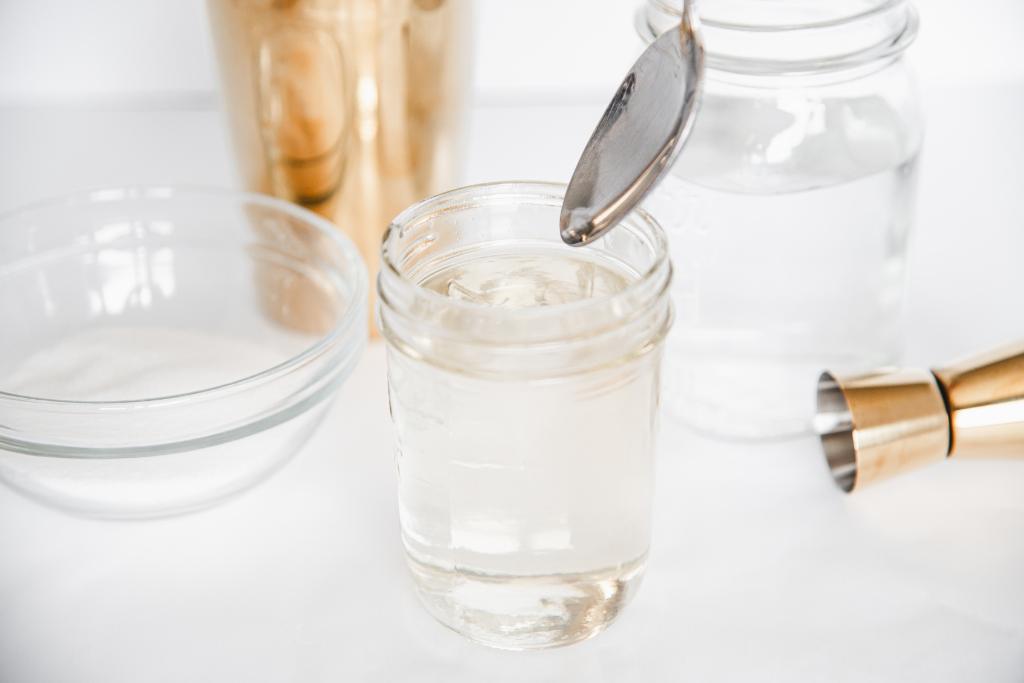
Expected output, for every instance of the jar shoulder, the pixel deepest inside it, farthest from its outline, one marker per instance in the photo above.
(792, 135)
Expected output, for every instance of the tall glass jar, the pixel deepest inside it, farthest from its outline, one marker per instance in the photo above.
(523, 379)
(788, 209)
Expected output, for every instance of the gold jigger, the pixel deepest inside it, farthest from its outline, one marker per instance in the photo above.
(890, 421)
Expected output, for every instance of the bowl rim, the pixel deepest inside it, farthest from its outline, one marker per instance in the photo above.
(346, 323)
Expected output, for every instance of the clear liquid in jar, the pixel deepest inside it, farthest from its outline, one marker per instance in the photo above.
(789, 245)
(525, 504)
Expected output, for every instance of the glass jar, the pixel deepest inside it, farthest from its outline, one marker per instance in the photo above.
(523, 379)
(789, 207)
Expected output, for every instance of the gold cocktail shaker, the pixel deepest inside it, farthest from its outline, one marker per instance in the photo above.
(890, 421)
(351, 108)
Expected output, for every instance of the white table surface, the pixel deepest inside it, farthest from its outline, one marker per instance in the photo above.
(760, 570)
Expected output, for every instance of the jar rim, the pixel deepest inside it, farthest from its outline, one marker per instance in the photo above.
(394, 285)
(499, 192)
(817, 45)
(881, 7)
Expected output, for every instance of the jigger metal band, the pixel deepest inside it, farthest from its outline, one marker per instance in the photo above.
(890, 421)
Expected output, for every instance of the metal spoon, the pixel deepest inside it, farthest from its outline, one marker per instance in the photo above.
(638, 137)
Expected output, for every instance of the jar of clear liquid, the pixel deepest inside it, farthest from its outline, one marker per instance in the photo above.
(789, 207)
(523, 380)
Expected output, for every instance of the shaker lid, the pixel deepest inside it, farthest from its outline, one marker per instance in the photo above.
(639, 136)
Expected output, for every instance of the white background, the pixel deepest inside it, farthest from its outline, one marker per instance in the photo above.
(760, 569)
(56, 50)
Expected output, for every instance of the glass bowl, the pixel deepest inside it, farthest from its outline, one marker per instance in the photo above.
(165, 348)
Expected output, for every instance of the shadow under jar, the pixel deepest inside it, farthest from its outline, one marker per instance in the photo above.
(523, 378)
(788, 210)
